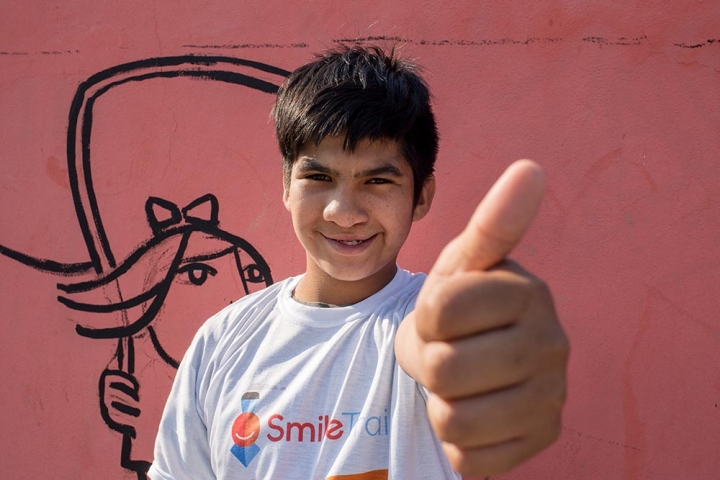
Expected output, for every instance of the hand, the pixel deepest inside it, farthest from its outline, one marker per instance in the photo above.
(484, 338)
(119, 401)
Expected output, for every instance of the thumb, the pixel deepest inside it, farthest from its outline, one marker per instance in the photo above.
(499, 222)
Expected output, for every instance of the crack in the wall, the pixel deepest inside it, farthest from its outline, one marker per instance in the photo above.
(708, 42)
(155, 20)
(44, 52)
(448, 42)
(623, 41)
(235, 46)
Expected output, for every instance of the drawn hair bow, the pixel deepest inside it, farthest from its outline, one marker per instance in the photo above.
(163, 214)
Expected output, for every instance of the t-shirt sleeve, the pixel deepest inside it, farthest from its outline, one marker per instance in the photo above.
(182, 450)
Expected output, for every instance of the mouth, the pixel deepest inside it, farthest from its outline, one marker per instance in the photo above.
(240, 437)
(351, 241)
(350, 245)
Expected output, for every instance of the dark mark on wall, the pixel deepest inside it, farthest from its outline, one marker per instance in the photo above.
(461, 43)
(624, 41)
(250, 45)
(600, 41)
(44, 52)
(709, 41)
(592, 437)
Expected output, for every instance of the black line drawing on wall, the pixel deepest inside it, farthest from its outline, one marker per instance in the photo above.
(122, 300)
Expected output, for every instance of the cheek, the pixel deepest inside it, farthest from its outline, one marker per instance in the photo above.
(399, 212)
(304, 216)
(306, 206)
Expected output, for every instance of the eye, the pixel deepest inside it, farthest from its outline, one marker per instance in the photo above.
(320, 177)
(379, 181)
(197, 273)
(253, 274)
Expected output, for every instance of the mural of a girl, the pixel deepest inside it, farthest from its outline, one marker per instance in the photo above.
(134, 302)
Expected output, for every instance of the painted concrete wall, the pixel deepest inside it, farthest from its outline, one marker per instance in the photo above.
(106, 274)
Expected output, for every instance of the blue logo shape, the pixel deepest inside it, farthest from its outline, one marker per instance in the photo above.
(245, 454)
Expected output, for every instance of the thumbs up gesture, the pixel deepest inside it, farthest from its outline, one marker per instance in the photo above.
(484, 338)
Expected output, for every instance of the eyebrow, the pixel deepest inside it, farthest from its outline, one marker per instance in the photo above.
(390, 170)
(309, 164)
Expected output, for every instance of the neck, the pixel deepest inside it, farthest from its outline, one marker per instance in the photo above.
(316, 286)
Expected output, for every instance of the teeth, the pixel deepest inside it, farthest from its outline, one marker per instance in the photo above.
(351, 242)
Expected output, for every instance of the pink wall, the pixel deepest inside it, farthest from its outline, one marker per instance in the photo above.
(620, 101)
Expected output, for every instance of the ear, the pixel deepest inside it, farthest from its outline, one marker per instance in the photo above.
(287, 178)
(286, 194)
(425, 200)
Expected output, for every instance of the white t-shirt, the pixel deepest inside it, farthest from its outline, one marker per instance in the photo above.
(274, 389)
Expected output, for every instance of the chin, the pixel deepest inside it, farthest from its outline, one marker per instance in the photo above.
(348, 276)
(355, 273)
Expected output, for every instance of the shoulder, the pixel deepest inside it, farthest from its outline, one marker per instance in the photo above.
(403, 291)
(411, 282)
(239, 310)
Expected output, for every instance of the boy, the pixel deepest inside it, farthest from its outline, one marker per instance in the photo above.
(351, 371)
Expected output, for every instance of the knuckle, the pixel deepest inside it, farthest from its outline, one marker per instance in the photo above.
(560, 396)
(438, 365)
(558, 346)
(563, 348)
(434, 312)
(554, 431)
(550, 394)
(460, 462)
(446, 421)
(477, 462)
(437, 415)
(540, 286)
(455, 456)
(541, 439)
(538, 292)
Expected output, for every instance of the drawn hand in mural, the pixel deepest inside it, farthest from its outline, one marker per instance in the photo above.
(485, 340)
(120, 401)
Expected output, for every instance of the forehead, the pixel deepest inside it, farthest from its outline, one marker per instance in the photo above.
(367, 154)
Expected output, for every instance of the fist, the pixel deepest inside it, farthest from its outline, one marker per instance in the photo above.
(485, 341)
(119, 401)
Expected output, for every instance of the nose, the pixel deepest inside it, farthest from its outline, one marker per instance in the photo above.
(346, 208)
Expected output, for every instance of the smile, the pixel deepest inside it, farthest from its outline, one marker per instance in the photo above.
(352, 246)
(350, 241)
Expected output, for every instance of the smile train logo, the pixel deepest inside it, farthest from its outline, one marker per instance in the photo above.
(246, 430)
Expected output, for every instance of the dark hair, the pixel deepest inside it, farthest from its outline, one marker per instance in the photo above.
(365, 94)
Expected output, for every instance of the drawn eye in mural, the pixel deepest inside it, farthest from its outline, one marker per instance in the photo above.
(197, 273)
(136, 301)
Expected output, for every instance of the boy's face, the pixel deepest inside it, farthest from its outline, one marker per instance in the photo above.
(353, 211)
